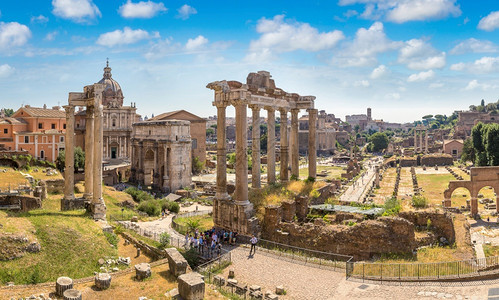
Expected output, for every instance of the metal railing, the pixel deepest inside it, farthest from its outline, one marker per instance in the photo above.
(308, 256)
(423, 271)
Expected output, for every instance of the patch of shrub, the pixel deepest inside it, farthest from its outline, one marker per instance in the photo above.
(151, 207)
(392, 206)
(192, 257)
(112, 239)
(138, 195)
(419, 201)
(164, 240)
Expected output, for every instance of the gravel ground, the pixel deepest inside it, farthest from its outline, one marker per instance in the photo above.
(308, 282)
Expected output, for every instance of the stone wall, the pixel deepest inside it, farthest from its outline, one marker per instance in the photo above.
(150, 251)
(325, 193)
(55, 186)
(437, 159)
(408, 162)
(22, 203)
(441, 222)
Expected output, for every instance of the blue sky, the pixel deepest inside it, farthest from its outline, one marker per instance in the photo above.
(403, 58)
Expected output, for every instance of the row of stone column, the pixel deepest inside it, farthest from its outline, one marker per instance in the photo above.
(420, 146)
(93, 158)
(241, 192)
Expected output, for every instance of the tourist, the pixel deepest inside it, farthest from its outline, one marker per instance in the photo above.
(186, 240)
(230, 238)
(219, 249)
(253, 241)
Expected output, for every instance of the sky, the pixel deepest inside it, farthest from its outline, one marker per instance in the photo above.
(403, 58)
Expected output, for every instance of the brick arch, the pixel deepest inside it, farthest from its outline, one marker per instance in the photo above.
(8, 162)
(455, 184)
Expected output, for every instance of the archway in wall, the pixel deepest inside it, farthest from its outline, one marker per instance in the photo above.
(459, 197)
(7, 162)
(486, 200)
(114, 150)
(148, 167)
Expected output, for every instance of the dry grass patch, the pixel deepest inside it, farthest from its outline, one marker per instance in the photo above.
(433, 186)
(11, 179)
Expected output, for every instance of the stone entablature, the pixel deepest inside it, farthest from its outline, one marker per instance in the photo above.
(161, 154)
(259, 92)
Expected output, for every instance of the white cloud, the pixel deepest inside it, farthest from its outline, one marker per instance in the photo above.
(473, 45)
(400, 11)
(422, 76)
(125, 37)
(436, 85)
(80, 11)
(185, 11)
(393, 96)
(6, 70)
(162, 48)
(485, 64)
(418, 55)
(380, 71)
(474, 84)
(490, 22)
(51, 36)
(281, 35)
(368, 43)
(195, 44)
(141, 9)
(361, 83)
(13, 35)
(39, 19)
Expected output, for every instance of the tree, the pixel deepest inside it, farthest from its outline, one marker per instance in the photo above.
(491, 143)
(197, 166)
(468, 154)
(472, 108)
(8, 112)
(79, 160)
(378, 142)
(210, 131)
(427, 117)
(477, 138)
(356, 128)
(482, 103)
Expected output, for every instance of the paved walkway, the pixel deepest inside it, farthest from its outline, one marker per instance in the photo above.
(309, 282)
(356, 191)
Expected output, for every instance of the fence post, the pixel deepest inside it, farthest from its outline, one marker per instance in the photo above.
(418, 271)
(363, 265)
(399, 272)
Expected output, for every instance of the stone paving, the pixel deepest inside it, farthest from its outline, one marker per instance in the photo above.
(355, 192)
(309, 282)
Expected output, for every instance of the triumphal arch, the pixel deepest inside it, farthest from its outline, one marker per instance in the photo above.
(91, 99)
(259, 92)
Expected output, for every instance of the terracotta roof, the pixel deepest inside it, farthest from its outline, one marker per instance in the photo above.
(9, 120)
(171, 115)
(453, 140)
(41, 112)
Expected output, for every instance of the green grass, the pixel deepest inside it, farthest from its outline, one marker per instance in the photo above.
(71, 245)
(490, 250)
(333, 172)
(206, 222)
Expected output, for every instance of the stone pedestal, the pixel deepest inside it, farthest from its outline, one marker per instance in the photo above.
(176, 262)
(103, 281)
(142, 271)
(71, 294)
(474, 206)
(62, 284)
(191, 286)
(288, 211)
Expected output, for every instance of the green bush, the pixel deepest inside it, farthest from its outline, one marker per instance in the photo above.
(174, 207)
(192, 257)
(138, 195)
(164, 240)
(392, 206)
(112, 238)
(151, 207)
(419, 201)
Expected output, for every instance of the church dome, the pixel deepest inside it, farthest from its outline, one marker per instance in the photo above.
(112, 95)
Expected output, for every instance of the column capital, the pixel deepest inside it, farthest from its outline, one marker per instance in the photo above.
(255, 107)
(312, 110)
(283, 110)
(269, 108)
(69, 109)
(90, 113)
(239, 102)
(220, 104)
(295, 111)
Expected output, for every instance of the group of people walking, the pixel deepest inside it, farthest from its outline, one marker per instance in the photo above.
(209, 243)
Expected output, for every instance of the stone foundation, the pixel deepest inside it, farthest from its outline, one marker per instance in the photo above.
(78, 203)
(231, 216)
(22, 203)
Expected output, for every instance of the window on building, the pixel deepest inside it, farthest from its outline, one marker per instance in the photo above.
(42, 154)
(454, 152)
(114, 122)
(26, 139)
(61, 139)
(5, 130)
(40, 125)
(194, 144)
(64, 126)
(53, 125)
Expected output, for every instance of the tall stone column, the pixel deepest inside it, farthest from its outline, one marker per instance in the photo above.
(97, 206)
(140, 170)
(421, 141)
(69, 169)
(312, 143)
(426, 141)
(166, 178)
(415, 140)
(221, 154)
(255, 147)
(284, 145)
(89, 153)
(474, 206)
(241, 193)
(295, 157)
(270, 145)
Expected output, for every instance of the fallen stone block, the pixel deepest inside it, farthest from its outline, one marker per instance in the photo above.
(176, 262)
(191, 286)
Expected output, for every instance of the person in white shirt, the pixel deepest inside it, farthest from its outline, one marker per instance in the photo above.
(253, 241)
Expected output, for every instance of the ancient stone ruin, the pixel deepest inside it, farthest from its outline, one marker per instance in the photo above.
(259, 92)
(91, 98)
